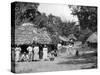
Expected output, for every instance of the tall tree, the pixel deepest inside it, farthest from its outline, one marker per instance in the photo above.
(25, 12)
(87, 16)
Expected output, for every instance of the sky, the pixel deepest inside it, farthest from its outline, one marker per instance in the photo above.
(61, 10)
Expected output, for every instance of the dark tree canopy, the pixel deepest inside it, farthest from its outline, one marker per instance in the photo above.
(87, 16)
(25, 12)
(28, 12)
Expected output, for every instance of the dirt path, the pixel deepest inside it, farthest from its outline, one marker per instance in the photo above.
(59, 64)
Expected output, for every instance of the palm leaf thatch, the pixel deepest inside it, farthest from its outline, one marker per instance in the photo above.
(71, 36)
(28, 33)
(93, 38)
(63, 38)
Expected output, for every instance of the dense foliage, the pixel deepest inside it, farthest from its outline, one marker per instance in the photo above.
(87, 16)
(27, 12)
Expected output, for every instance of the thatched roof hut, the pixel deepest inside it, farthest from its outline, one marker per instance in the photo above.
(71, 36)
(92, 38)
(63, 38)
(28, 33)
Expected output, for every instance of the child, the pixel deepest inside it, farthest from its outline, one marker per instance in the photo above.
(51, 56)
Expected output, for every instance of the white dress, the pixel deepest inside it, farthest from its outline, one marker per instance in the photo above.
(45, 53)
(71, 51)
(59, 46)
(36, 53)
(30, 54)
(17, 53)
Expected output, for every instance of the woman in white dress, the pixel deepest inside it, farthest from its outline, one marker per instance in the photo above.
(36, 53)
(71, 50)
(17, 54)
(59, 46)
(45, 53)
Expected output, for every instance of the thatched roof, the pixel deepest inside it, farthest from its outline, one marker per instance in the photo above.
(71, 36)
(93, 38)
(63, 38)
(27, 33)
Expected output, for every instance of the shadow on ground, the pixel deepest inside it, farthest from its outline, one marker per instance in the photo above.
(82, 59)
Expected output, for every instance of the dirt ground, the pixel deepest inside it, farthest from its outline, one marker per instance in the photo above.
(87, 61)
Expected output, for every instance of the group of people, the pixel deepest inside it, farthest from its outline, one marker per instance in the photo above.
(70, 49)
(35, 53)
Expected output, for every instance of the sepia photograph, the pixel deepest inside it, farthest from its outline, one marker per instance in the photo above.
(48, 37)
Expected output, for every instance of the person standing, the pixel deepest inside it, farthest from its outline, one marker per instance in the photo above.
(30, 53)
(45, 53)
(59, 46)
(17, 54)
(36, 53)
(40, 51)
(71, 50)
(67, 50)
(12, 54)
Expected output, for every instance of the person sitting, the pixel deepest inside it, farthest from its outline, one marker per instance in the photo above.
(51, 56)
(24, 57)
